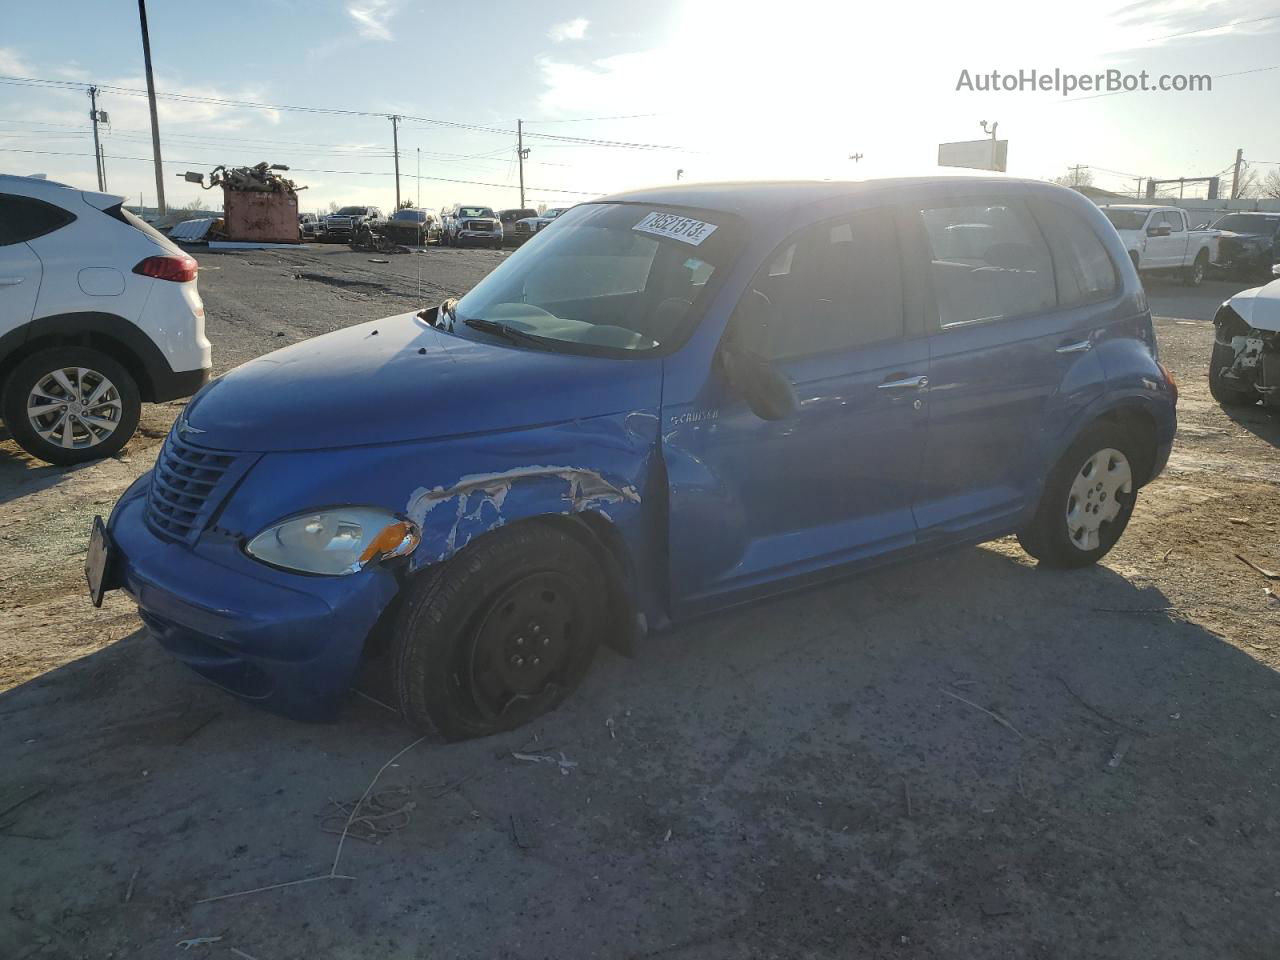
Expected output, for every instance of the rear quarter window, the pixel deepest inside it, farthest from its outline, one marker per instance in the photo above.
(25, 218)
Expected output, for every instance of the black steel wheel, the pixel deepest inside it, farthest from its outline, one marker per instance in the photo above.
(500, 634)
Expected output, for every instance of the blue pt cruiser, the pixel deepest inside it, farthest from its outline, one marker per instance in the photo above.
(668, 402)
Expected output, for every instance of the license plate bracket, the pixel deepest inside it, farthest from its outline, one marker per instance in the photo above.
(98, 562)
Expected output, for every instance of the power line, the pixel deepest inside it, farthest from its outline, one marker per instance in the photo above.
(1219, 76)
(1221, 26)
(354, 173)
(332, 111)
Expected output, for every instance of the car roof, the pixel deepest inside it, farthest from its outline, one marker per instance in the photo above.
(763, 198)
(1138, 206)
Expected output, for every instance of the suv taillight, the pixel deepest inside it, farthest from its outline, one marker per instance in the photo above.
(177, 269)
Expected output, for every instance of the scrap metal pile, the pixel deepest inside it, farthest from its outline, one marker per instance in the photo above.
(260, 178)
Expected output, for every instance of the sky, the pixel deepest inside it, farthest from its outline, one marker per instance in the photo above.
(616, 95)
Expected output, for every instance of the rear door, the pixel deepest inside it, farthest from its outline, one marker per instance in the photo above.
(833, 482)
(1003, 342)
(21, 272)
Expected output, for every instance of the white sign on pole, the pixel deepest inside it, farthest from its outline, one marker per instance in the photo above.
(975, 154)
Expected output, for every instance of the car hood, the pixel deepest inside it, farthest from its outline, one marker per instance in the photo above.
(399, 379)
(1233, 235)
(1259, 307)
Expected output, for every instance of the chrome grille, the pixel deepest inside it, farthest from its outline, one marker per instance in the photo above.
(187, 485)
(479, 226)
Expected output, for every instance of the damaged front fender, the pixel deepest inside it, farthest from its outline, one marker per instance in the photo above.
(479, 503)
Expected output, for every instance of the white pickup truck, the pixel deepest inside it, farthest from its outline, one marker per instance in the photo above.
(1159, 239)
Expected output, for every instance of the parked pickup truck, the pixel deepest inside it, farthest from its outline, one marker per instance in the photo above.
(1159, 240)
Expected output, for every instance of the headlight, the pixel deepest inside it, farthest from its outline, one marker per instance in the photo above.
(337, 541)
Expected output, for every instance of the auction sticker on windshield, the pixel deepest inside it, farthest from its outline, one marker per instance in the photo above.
(676, 227)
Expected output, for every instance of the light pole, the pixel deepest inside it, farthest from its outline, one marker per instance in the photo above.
(992, 131)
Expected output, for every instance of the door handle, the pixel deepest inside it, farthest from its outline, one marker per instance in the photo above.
(906, 383)
(1082, 346)
(10, 281)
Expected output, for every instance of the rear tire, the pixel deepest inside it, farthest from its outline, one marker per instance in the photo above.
(1193, 276)
(1087, 500)
(1225, 391)
(74, 431)
(500, 634)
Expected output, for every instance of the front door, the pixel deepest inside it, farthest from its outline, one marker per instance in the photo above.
(754, 501)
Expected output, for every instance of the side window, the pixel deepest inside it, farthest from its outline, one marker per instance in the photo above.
(1084, 269)
(24, 218)
(834, 287)
(1178, 220)
(988, 262)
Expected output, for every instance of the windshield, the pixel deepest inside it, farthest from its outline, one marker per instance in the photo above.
(352, 211)
(609, 277)
(475, 212)
(1248, 223)
(1127, 219)
(417, 215)
(507, 215)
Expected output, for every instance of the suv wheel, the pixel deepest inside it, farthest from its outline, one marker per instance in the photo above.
(1087, 500)
(500, 634)
(71, 404)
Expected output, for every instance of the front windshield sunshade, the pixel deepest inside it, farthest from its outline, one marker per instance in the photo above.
(609, 277)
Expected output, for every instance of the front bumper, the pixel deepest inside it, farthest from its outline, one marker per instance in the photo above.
(290, 643)
(479, 235)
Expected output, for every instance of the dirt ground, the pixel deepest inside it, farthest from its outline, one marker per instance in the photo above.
(962, 757)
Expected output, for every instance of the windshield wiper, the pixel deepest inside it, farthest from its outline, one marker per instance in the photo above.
(510, 334)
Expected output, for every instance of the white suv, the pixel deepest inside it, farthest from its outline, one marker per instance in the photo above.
(98, 312)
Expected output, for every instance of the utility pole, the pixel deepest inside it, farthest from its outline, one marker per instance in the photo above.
(1075, 174)
(151, 100)
(1138, 193)
(418, 179)
(1235, 178)
(521, 154)
(395, 147)
(95, 115)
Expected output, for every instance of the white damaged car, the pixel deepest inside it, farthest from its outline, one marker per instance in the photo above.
(1245, 366)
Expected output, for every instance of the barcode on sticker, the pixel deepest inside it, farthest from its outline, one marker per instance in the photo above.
(674, 227)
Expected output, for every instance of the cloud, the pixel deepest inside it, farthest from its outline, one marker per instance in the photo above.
(12, 64)
(574, 29)
(373, 17)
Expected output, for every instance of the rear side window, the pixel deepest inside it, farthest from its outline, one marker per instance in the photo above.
(987, 262)
(1084, 269)
(25, 218)
(834, 287)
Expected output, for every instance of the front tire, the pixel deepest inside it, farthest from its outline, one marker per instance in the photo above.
(1227, 392)
(1087, 500)
(69, 405)
(500, 635)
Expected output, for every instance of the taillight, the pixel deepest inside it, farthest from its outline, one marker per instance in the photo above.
(1169, 379)
(177, 269)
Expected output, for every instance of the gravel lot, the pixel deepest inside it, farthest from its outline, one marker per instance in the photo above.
(818, 776)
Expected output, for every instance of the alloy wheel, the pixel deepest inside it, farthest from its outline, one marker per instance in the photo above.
(74, 408)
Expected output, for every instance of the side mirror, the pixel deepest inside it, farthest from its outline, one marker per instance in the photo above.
(766, 391)
(1162, 231)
